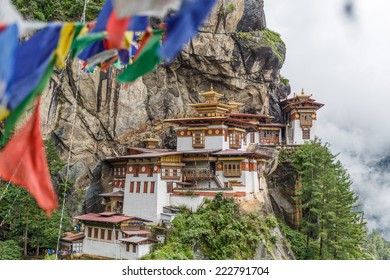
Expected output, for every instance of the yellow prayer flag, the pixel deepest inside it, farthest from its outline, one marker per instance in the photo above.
(129, 35)
(3, 113)
(64, 44)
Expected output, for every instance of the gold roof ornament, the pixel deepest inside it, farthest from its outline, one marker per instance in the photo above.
(150, 143)
(211, 96)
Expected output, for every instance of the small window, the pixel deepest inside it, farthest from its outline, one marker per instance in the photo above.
(127, 247)
(252, 137)
(131, 187)
(138, 187)
(89, 232)
(134, 248)
(136, 171)
(235, 140)
(145, 187)
(152, 185)
(102, 233)
(169, 187)
(306, 134)
(109, 234)
(116, 235)
(306, 119)
(198, 139)
(150, 171)
(96, 233)
(232, 169)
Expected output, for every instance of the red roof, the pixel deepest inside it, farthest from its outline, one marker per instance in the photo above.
(249, 115)
(136, 232)
(145, 150)
(271, 125)
(145, 155)
(200, 151)
(189, 119)
(71, 237)
(106, 217)
(232, 152)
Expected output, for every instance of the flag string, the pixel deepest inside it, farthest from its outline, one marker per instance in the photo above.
(74, 110)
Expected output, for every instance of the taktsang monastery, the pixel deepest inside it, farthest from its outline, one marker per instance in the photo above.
(211, 157)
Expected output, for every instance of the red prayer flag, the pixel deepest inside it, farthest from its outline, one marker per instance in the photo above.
(3, 26)
(144, 41)
(116, 29)
(23, 162)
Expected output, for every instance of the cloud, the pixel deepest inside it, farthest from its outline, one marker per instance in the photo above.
(344, 63)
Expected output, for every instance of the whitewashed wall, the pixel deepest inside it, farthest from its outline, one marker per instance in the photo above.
(192, 202)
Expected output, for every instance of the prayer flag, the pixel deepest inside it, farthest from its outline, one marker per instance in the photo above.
(65, 42)
(8, 44)
(146, 61)
(138, 23)
(15, 114)
(84, 41)
(116, 29)
(32, 59)
(182, 26)
(9, 15)
(157, 8)
(23, 162)
(101, 57)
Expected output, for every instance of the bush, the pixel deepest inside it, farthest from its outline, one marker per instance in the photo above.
(10, 250)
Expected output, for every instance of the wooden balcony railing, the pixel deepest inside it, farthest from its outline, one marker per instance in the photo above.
(197, 173)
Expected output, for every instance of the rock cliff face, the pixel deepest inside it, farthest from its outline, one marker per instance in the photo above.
(94, 117)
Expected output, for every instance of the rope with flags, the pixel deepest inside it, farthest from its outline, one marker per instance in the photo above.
(121, 37)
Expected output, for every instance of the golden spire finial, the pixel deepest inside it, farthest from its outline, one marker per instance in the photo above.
(303, 92)
(211, 87)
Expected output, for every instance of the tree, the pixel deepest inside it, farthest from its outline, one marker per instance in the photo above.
(216, 231)
(377, 247)
(10, 250)
(54, 10)
(23, 221)
(329, 206)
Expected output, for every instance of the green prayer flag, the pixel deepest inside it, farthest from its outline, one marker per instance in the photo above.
(79, 44)
(145, 62)
(78, 27)
(117, 64)
(15, 114)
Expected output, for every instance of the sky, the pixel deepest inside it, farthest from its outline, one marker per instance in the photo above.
(340, 53)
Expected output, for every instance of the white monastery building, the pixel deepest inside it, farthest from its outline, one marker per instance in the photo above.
(212, 157)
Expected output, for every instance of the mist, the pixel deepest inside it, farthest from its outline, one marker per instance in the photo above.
(339, 51)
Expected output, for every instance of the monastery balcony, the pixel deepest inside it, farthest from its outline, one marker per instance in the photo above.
(270, 141)
(197, 173)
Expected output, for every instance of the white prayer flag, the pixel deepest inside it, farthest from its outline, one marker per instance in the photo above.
(9, 15)
(101, 57)
(157, 8)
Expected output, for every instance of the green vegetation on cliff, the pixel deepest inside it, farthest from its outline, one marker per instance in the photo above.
(263, 38)
(332, 227)
(54, 10)
(377, 247)
(217, 231)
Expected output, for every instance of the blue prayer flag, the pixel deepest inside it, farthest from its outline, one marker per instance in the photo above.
(183, 25)
(8, 44)
(138, 23)
(31, 62)
(103, 17)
